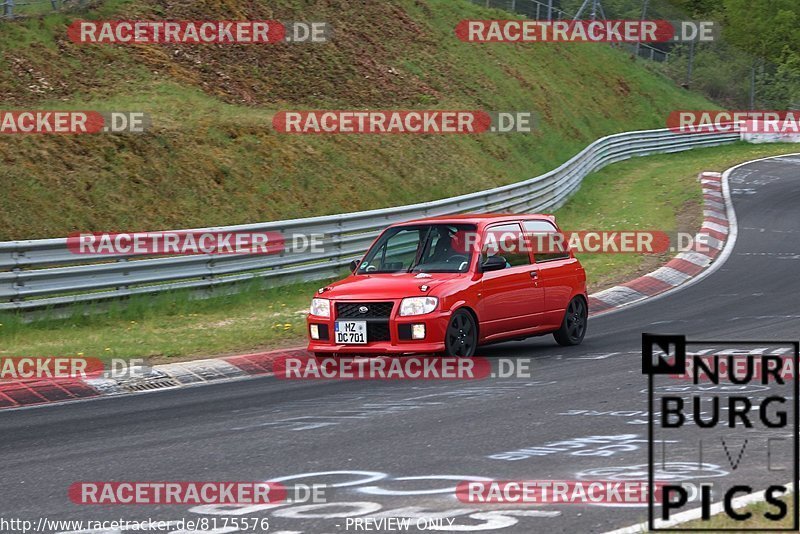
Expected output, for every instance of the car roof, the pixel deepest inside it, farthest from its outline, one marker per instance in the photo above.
(480, 218)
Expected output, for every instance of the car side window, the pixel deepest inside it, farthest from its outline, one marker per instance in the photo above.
(553, 249)
(506, 240)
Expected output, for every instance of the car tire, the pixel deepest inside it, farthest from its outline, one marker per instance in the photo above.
(461, 336)
(573, 326)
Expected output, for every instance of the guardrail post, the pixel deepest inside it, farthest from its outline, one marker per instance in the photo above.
(17, 284)
(125, 273)
(210, 275)
(8, 9)
(330, 240)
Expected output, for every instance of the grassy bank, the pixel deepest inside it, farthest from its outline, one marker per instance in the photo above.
(212, 157)
(657, 192)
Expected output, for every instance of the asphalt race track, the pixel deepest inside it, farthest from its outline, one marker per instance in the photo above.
(376, 433)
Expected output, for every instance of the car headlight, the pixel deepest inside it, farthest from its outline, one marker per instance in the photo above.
(418, 305)
(321, 307)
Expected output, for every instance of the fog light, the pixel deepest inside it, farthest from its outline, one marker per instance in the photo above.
(314, 331)
(417, 331)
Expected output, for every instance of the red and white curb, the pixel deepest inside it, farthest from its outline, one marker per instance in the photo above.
(718, 231)
(709, 244)
(24, 393)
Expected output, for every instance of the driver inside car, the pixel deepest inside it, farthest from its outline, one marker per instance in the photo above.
(450, 247)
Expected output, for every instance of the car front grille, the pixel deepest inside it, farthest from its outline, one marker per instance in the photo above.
(375, 310)
(378, 332)
(377, 316)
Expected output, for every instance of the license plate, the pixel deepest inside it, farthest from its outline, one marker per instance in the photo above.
(351, 332)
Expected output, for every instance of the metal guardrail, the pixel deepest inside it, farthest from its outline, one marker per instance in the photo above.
(44, 272)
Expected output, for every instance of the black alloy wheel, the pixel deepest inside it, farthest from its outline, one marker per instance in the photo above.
(461, 338)
(573, 327)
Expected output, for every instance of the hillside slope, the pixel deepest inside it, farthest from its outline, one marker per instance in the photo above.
(212, 157)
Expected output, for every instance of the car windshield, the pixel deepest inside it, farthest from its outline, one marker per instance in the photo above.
(432, 248)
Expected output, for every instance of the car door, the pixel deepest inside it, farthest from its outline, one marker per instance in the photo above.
(510, 299)
(557, 269)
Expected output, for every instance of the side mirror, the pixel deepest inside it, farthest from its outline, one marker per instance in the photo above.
(493, 263)
(354, 265)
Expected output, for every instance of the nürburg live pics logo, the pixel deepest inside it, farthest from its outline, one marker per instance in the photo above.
(730, 408)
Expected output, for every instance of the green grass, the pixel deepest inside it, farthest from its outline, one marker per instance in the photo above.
(659, 192)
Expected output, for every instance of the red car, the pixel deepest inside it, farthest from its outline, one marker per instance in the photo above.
(449, 284)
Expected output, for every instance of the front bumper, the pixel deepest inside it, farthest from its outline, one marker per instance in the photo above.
(435, 326)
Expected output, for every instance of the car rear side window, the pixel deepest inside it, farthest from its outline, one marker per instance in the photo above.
(555, 249)
(506, 240)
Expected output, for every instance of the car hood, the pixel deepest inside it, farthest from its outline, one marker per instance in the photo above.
(386, 285)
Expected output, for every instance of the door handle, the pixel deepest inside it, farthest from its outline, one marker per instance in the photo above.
(534, 274)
